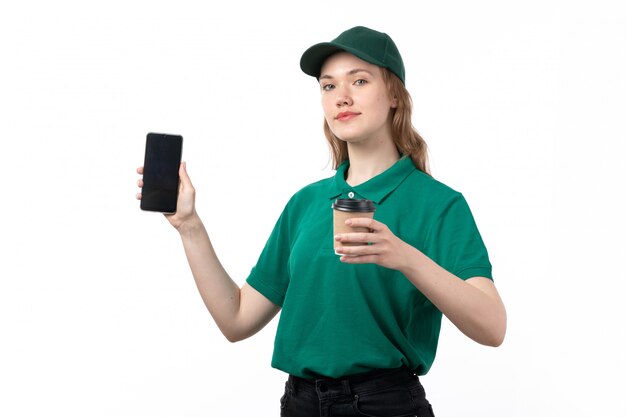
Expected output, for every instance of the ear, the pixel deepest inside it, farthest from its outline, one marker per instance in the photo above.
(394, 103)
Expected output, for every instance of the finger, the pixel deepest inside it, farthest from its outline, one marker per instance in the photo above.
(358, 237)
(138, 196)
(365, 259)
(365, 222)
(140, 170)
(362, 250)
(140, 183)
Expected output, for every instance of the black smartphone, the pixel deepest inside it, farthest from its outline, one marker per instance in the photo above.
(160, 172)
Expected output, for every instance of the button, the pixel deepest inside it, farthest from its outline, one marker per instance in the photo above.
(351, 194)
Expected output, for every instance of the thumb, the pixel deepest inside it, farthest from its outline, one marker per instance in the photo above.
(182, 173)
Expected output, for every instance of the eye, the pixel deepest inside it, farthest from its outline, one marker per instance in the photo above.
(328, 87)
(360, 82)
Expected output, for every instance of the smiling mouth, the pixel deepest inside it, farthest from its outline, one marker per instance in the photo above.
(346, 116)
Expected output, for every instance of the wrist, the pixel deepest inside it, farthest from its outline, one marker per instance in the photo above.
(189, 224)
(413, 259)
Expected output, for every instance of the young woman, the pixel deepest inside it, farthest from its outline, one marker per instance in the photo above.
(356, 330)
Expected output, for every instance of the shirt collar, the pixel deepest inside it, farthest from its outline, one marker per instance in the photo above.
(376, 188)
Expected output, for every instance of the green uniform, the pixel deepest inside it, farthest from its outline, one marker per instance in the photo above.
(340, 319)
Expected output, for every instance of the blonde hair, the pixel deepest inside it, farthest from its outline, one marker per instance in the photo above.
(407, 140)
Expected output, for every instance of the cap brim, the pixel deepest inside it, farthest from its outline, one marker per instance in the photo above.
(314, 57)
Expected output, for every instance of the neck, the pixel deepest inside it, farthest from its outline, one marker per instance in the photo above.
(365, 164)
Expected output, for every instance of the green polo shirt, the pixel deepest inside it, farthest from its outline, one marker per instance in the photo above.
(339, 319)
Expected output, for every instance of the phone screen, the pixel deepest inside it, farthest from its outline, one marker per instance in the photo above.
(160, 172)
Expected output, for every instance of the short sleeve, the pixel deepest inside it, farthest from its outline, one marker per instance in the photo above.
(455, 243)
(270, 275)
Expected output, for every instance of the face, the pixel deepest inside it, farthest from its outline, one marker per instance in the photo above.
(355, 99)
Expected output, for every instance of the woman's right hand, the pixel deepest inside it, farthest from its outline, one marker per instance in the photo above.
(186, 203)
(238, 312)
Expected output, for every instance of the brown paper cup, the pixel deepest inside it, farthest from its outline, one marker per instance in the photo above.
(349, 209)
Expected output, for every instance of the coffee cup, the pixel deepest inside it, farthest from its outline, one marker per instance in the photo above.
(348, 208)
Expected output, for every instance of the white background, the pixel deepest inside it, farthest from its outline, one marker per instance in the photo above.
(522, 105)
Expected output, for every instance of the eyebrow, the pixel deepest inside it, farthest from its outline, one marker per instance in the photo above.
(351, 72)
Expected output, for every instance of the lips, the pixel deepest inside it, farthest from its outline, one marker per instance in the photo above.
(346, 115)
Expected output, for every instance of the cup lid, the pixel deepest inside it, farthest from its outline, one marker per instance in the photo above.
(350, 204)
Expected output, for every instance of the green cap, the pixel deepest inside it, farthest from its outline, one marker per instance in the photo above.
(371, 46)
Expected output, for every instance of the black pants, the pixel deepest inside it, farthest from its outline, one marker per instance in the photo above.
(383, 393)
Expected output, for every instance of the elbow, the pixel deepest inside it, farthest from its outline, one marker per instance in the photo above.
(490, 338)
(231, 331)
(487, 336)
(234, 337)
(489, 332)
(495, 338)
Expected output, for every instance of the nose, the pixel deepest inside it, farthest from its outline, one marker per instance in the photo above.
(343, 97)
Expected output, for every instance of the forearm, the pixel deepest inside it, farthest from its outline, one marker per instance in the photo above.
(476, 310)
(220, 293)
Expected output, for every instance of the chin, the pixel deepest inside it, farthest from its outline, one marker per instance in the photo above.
(348, 138)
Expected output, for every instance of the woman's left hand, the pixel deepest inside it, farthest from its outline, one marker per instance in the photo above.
(384, 248)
